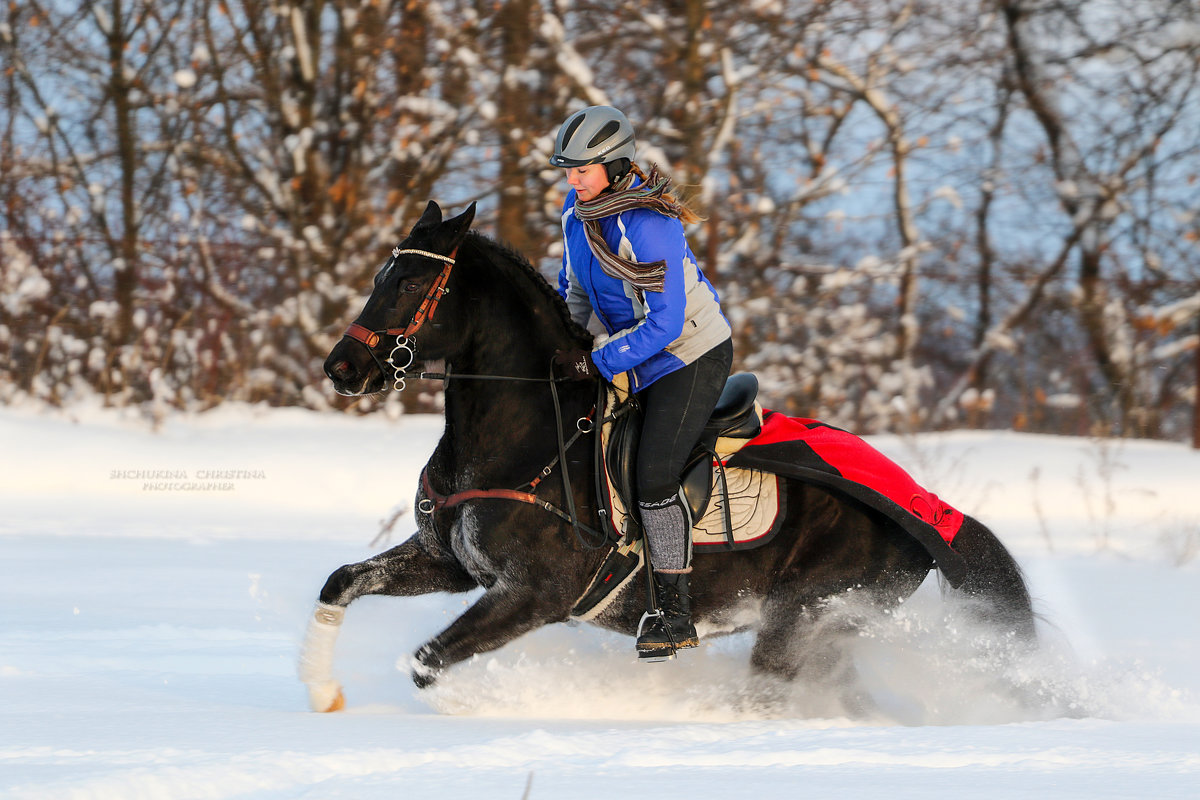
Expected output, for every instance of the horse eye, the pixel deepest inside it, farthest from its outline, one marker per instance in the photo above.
(411, 287)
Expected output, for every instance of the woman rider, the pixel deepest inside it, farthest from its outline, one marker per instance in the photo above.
(625, 259)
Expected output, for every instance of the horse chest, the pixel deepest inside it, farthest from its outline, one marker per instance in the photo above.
(465, 541)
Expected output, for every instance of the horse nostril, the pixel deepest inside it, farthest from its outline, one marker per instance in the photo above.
(340, 370)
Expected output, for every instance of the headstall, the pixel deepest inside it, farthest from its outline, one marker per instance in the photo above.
(405, 343)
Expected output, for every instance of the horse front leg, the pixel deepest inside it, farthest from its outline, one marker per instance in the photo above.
(412, 568)
(499, 616)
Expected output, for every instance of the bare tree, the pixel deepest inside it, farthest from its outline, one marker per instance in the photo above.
(1115, 100)
(915, 209)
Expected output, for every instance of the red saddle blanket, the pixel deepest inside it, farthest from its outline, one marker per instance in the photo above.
(818, 453)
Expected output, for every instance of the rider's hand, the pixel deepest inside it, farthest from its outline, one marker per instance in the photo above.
(575, 364)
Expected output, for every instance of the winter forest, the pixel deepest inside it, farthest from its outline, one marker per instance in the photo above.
(920, 214)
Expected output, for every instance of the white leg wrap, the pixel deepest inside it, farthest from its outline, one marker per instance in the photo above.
(316, 656)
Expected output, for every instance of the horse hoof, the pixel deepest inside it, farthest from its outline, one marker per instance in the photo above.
(426, 666)
(424, 680)
(338, 704)
(326, 697)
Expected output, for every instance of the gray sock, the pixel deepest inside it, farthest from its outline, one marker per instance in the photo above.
(667, 533)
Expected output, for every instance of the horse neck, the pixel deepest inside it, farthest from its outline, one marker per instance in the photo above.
(514, 328)
(514, 332)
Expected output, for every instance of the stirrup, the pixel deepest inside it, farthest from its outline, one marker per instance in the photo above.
(664, 652)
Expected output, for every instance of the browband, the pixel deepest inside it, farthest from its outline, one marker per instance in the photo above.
(426, 253)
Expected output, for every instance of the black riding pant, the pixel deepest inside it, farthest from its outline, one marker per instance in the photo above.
(675, 409)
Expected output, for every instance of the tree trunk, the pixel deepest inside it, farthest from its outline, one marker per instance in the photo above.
(1196, 398)
(517, 22)
(125, 245)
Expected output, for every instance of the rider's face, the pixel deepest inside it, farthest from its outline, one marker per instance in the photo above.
(588, 181)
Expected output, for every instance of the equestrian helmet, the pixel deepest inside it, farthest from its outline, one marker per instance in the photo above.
(594, 135)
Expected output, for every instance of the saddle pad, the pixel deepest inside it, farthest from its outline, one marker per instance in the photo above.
(754, 509)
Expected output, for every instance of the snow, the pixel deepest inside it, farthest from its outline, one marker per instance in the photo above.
(185, 78)
(156, 583)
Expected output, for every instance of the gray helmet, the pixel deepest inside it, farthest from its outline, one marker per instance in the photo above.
(594, 135)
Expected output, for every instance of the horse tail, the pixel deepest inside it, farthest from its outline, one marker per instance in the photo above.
(995, 579)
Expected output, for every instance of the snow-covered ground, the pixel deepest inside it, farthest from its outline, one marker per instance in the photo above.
(154, 587)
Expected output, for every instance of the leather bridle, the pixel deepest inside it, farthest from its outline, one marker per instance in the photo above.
(404, 336)
(405, 341)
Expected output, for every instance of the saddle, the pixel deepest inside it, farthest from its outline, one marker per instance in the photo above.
(730, 508)
(736, 418)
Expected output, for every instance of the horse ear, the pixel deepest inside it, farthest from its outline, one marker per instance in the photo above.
(455, 229)
(431, 218)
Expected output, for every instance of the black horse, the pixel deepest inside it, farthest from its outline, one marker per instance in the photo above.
(454, 296)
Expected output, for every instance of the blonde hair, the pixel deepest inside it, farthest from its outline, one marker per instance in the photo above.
(687, 214)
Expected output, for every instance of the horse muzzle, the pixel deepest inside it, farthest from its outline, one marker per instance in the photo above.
(351, 373)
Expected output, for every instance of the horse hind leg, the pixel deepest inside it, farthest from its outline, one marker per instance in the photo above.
(807, 636)
(802, 642)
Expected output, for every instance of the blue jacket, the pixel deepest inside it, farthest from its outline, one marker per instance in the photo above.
(649, 333)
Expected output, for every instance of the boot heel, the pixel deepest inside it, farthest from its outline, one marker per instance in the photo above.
(652, 644)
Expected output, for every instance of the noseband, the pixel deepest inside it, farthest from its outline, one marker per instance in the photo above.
(405, 343)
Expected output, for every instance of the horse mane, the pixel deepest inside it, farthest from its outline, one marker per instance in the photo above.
(505, 254)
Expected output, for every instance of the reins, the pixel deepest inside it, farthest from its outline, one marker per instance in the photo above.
(406, 343)
(435, 501)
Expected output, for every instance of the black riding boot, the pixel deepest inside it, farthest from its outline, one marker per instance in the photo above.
(672, 628)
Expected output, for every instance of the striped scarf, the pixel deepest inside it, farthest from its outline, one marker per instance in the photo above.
(625, 197)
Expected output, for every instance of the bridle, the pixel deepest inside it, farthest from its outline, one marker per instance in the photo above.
(405, 341)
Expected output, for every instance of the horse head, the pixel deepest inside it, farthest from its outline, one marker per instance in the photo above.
(408, 290)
